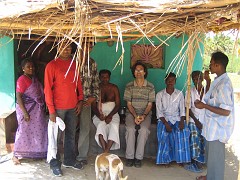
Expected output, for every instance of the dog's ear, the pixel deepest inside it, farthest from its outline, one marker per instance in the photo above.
(125, 178)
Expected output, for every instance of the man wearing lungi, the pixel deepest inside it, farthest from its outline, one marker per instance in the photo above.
(172, 132)
(197, 142)
(106, 117)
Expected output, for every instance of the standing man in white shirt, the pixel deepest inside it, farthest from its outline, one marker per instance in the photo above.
(172, 131)
(218, 117)
(197, 141)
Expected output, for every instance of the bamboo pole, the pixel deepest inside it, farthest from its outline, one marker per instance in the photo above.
(191, 52)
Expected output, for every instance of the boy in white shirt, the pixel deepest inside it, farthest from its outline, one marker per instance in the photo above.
(172, 131)
(197, 142)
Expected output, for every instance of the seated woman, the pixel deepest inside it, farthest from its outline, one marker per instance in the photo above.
(106, 117)
(31, 136)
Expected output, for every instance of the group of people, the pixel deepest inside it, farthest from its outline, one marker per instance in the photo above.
(72, 99)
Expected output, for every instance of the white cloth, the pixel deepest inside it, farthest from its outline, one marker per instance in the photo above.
(52, 137)
(198, 113)
(171, 107)
(109, 131)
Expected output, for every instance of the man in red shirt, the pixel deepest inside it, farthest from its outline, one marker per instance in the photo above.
(64, 95)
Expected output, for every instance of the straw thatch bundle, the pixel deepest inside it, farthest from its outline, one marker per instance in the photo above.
(134, 18)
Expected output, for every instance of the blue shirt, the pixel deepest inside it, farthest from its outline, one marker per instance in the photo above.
(220, 94)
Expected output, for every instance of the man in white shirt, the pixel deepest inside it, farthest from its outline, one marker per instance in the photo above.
(172, 132)
(197, 142)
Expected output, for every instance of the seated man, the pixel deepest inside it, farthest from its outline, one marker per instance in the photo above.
(172, 132)
(197, 143)
(139, 95)
(106, 118)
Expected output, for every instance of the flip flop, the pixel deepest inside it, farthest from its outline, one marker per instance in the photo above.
(192, 168)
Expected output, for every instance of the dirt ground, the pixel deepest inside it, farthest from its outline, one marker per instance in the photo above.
(30, 169)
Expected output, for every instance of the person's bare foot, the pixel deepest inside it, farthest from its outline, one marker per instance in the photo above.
(180, 164)
(164, 165)
(15, 160)
(167, 165)
(199, 165)
(201, 178)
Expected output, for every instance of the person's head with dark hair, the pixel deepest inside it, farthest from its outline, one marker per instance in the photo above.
(27, 67)
(196, 74)
(104, 76)
(104, 71)
(170, 80)
(65, 50)
(88, 44)
(220, 58)
(197, 78)
(139, 67)
(25, 61)
(171, 74)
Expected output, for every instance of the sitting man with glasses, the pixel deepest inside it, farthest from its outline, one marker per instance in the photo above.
(139, 95)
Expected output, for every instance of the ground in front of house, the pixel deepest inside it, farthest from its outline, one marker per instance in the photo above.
(30, 169)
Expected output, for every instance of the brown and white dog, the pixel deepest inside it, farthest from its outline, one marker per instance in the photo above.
(109, 165)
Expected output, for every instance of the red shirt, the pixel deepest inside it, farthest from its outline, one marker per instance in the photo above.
(61, 92)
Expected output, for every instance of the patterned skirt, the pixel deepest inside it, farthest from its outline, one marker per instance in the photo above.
(173, 146)
(197, 143)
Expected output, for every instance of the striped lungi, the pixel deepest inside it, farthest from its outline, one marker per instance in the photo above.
(173, 146)
(197, 143)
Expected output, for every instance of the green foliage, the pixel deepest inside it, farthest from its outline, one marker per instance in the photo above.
(224, 43)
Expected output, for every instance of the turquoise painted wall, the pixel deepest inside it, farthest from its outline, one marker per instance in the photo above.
(106, 58)
(7, 75)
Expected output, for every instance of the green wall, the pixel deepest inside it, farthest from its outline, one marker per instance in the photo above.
(106, 58)
(7, 75)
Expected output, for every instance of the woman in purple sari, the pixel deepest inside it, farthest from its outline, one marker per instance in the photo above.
(31, 135)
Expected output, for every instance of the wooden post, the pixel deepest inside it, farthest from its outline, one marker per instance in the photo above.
(191, 51)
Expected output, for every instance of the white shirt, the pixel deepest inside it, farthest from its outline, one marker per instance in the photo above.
(171, 107)
(198, 113)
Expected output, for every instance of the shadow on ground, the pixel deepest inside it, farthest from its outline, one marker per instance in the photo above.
(231, 165)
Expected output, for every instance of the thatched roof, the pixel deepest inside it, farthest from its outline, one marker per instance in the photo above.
(114, 18)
